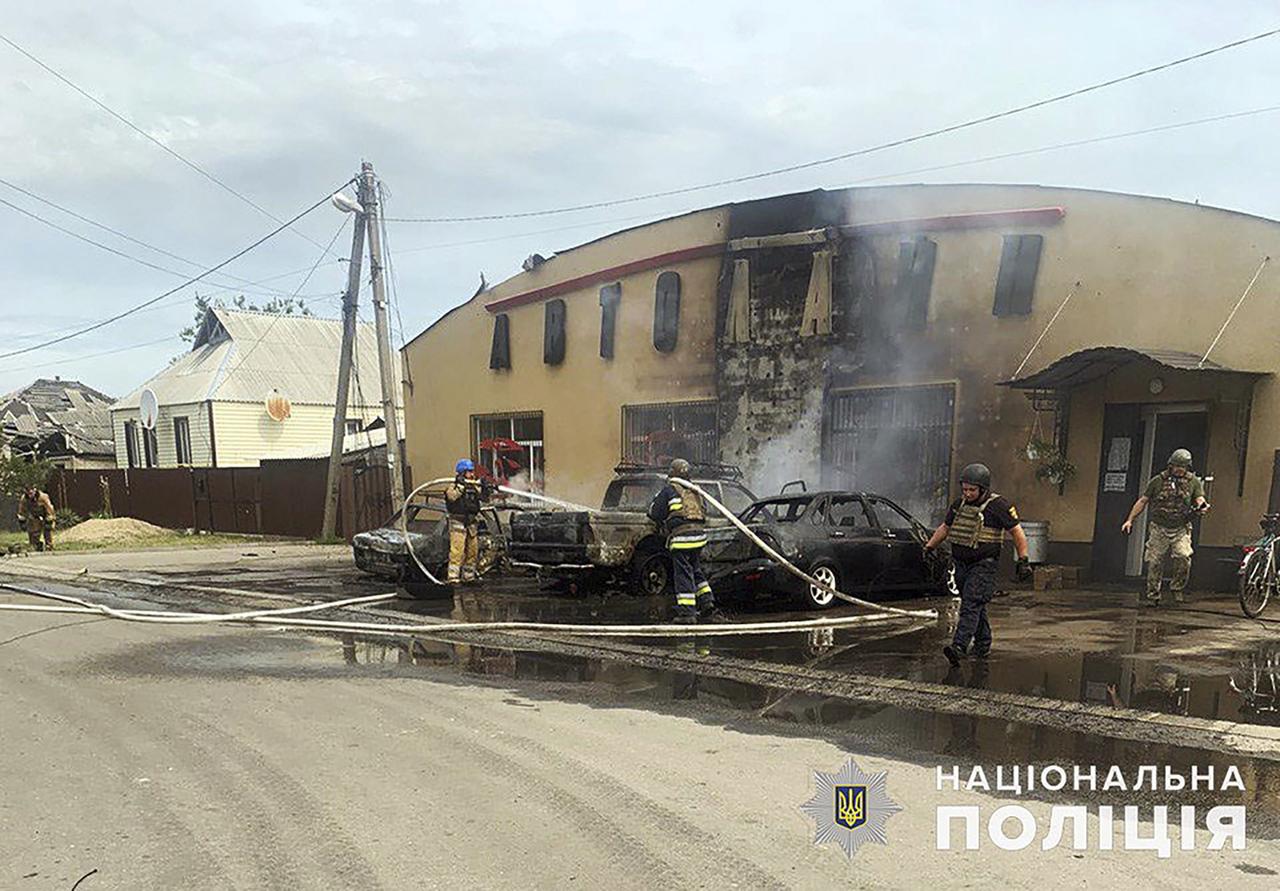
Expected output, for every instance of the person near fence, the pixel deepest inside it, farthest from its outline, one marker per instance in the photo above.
(36, 514)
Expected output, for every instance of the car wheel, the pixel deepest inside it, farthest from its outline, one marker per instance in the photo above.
(651, 574)
(814, 597)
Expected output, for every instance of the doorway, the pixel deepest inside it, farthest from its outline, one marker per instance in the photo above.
(1168, 427)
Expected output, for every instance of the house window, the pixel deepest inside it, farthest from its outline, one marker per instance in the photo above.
(553, 333)
(500, 348)
(657, 432)
(150, 450)
(666, 312)
(1016, 281)
(509, 448)
(131, 442)
(182, 440)
(915, 280)
(354, 426)
(610, 297)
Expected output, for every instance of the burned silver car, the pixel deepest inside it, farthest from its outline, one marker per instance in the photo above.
(381, 552)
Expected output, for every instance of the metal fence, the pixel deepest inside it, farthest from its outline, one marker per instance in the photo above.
(658, 431)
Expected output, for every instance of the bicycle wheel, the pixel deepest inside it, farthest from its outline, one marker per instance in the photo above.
(1255, 583)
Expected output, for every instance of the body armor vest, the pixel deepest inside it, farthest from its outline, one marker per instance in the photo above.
(970, 528)
(1171, 506)
(691, 509)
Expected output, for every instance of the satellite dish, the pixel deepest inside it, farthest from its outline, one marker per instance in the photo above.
(278, 407)
(148, 409)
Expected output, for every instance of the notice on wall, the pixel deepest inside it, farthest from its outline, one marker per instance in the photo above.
(1115, 482)
(1118, 455)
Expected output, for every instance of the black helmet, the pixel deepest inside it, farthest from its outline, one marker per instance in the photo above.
(976, 475)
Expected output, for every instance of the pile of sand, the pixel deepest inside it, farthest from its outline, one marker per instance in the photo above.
(120, 530)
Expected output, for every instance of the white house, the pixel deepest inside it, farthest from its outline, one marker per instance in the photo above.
(213, 409)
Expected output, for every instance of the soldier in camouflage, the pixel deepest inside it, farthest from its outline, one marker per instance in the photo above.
(1174, 496)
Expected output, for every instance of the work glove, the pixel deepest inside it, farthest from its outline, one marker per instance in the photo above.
(1022, 570)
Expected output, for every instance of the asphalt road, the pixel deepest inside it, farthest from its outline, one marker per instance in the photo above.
(195, 758)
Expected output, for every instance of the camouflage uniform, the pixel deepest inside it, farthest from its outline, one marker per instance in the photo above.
(38, 516)
(1170, 500)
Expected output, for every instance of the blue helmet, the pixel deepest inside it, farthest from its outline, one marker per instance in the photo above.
(464, 465)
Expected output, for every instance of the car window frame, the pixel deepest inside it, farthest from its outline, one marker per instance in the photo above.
(872, 523)
(874, 501)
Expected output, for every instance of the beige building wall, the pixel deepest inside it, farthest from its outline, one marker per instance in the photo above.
(581, 399)
(1153, 273)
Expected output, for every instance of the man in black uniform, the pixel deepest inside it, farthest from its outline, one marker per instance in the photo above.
(975, 524)
(679, 512)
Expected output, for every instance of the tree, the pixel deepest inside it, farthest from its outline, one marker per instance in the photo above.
(283, 306)
(17, 474)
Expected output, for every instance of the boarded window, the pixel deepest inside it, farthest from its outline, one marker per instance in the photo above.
(1016, 281)
(915, 280)
(610, 297)
(666, 312)
(150, 447)
(553, 333)
(658, 432)
(182, 440)
(131, 442)
(500, 348)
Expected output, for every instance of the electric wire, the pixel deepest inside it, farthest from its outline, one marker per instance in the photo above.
(867, 150)
(123, 235)
(104, 322)
(145, 135)
(119, 253)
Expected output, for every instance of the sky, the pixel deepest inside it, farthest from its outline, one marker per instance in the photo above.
(491, 108)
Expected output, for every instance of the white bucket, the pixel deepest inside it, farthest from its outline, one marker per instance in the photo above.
(1037, 541)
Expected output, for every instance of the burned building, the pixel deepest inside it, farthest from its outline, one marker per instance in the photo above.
(64, 422)
(878, 339)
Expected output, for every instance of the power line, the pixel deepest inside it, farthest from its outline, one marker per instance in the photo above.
(70, 359)
(263, 336)
(143, 133)
(116, 232)
(105, 247)
(191, 281)
(844, 156)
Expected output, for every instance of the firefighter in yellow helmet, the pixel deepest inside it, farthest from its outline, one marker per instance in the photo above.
(975, 524)
(681, 515)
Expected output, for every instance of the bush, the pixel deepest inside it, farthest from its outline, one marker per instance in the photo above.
(66, 518)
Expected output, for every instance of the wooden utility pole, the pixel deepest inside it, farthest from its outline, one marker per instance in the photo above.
(350, 304)
(386, 367)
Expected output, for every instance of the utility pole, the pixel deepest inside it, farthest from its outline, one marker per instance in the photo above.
(386, 367)
(350, 304)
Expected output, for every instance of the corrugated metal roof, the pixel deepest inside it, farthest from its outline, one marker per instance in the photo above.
(1084, 366)
(259, 352)
(48, 408)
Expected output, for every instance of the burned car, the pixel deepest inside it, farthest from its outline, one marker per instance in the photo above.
(856, 542)
(381, 552)
(619, 544)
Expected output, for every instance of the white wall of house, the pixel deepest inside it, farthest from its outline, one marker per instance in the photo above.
(242, 435)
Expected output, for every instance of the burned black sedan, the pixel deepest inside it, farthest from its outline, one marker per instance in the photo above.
(856, 542)
(381, 552)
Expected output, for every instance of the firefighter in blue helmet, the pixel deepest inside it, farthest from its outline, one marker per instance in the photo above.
(680, 514)
(976, 523)
(463, 499)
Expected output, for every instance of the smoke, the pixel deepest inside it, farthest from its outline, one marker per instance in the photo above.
(794, 455)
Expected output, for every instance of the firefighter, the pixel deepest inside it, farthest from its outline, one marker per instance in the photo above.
(1175, 495)
(462, 499)
(35, 512)
(680, 514)
(975, 524)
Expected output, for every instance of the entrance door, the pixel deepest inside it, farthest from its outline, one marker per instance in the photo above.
(1168, 428)
(1120, 481)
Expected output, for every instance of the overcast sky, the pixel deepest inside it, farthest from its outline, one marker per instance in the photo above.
(476, 108)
